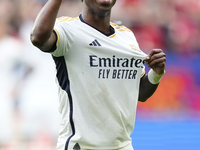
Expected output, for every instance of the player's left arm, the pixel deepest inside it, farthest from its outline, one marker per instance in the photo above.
(156, 61)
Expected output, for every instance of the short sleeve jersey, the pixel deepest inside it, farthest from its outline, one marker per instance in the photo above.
(98, 76)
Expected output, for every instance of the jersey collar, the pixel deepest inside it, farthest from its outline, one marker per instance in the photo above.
(109, 34)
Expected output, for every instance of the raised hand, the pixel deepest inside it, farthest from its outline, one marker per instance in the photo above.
(156, 60)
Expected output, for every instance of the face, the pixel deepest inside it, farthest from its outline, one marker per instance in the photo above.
(99, 7)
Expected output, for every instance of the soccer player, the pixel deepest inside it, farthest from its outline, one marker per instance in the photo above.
(100, 75)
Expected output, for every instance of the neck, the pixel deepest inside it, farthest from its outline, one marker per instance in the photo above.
(102, 23)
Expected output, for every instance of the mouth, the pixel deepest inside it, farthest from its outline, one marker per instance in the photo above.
(106, 1)
(105, 4)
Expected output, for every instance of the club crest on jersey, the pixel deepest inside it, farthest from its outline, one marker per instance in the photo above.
(133, 47)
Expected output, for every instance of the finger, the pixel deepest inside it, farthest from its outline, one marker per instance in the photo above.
(155, 62)
(155, 56)
(160, 65)
(152, 52)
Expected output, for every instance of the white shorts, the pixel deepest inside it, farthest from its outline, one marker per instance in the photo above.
(127, 147)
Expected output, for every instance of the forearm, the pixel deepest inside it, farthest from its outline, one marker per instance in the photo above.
(44, 23)
(146, 89)
(156, 61)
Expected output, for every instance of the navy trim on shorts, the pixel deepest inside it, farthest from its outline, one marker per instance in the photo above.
(63, 79)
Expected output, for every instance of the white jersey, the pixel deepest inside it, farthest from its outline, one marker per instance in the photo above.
(98, 77)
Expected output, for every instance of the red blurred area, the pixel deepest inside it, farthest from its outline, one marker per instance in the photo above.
(178, 91)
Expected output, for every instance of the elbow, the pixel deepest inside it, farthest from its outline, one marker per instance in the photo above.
(41, 41)
(39, 38)
(35, 40)
(142, 99)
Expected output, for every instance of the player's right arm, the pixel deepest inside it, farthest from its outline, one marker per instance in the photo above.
(42, 35)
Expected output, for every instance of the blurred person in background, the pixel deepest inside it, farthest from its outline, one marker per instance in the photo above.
(97, 109)
(10, 51)
(34, 95)
(19, 72)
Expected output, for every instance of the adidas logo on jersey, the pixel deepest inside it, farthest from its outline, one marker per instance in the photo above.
(77, 147)
(95, 43)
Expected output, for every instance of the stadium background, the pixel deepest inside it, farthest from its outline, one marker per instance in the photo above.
(169, 120)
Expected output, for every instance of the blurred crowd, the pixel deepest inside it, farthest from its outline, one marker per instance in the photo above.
(170, 25)
(28, 95)
(173, 25)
